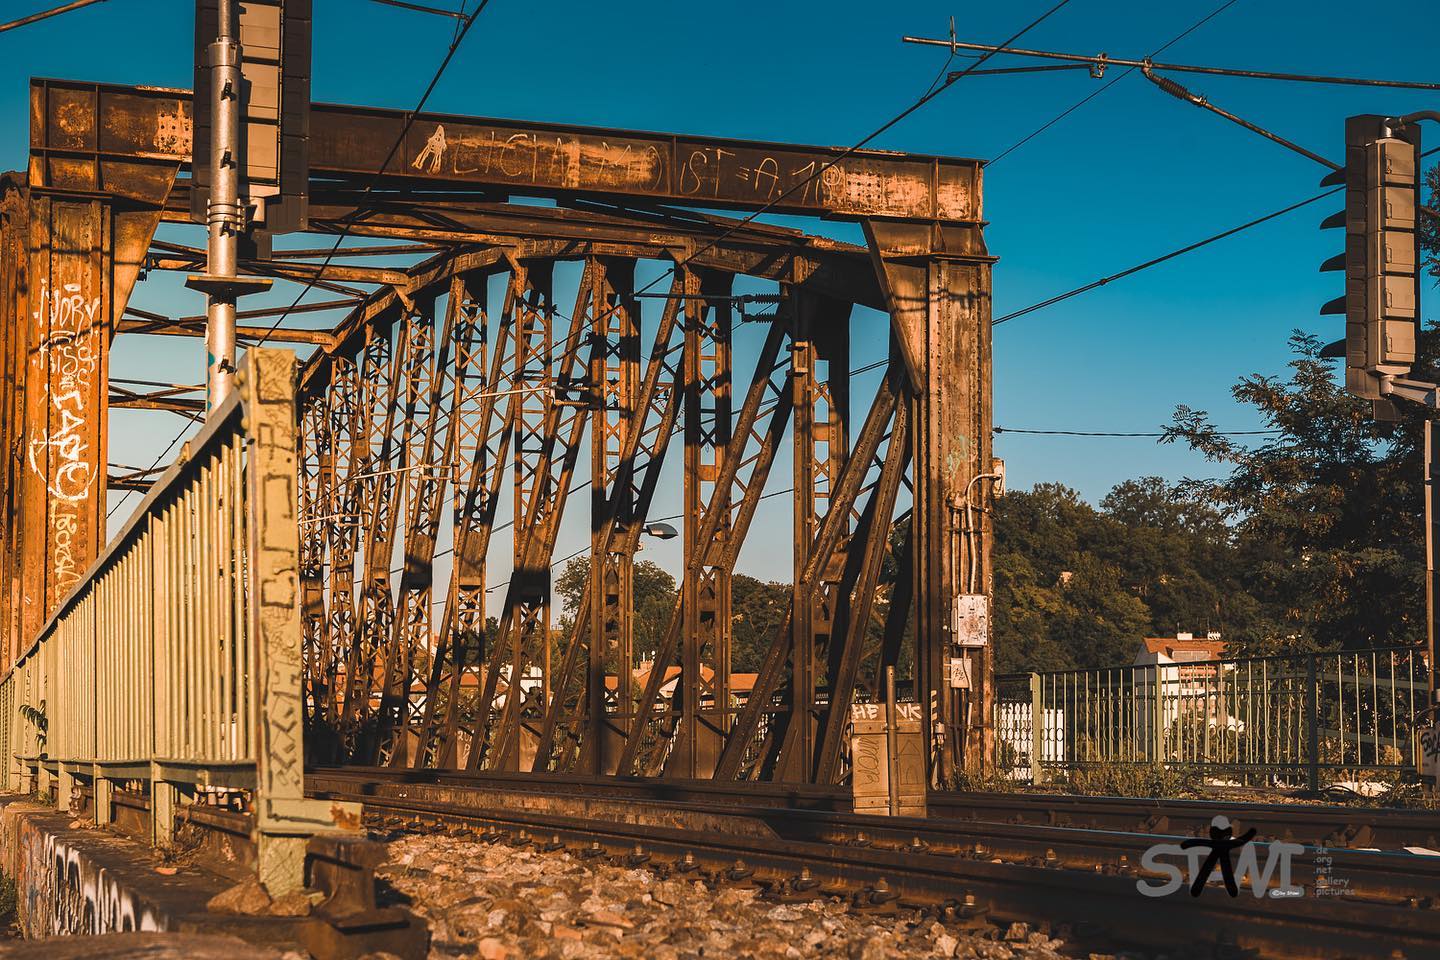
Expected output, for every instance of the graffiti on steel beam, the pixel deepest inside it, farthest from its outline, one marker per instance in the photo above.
(61, 456)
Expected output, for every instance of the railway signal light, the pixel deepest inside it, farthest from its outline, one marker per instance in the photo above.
(1381, 177)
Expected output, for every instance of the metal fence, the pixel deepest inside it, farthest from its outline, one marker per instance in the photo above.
(1298, 720)
(173, 667)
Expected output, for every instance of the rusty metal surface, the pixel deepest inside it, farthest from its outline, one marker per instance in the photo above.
(526, 157)
(1080, 878)
(426, 391)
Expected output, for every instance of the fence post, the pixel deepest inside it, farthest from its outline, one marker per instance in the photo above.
(267, 384)
(284, 819)
(1037, 729)
(1157, 720)
(1313, 732)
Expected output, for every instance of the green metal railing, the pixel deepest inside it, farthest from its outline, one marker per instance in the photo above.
(1286, 719)
(173, 667)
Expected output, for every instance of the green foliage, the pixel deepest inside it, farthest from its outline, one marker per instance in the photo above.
(9, 900)
(654, 600)
(1130, 780)
(1077, 586)
(758, 609)
(1328, 514)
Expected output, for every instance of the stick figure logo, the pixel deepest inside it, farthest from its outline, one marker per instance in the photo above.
(1236, 857)
(1222, 841)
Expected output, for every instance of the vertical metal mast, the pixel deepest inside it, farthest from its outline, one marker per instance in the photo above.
(225, 213)
(225, 217)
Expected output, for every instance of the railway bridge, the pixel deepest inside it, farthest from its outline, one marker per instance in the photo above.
(527, 322)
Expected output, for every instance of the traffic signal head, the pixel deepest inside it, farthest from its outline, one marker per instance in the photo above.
(1382, 283)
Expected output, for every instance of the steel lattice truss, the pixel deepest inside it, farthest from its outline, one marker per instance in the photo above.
(445, 418)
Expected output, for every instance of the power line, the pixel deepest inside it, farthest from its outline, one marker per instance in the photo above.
(310, 284)
(420, 8)
(1110, 83)
(820, 171)
(1101, 433)
(47, 14)
(394, 149)
(1173, 254)
(1082, 61)
(1162, 259)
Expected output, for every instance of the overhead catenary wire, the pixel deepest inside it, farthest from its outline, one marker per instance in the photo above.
(1180, 92)
(310, 284)
(47, 14)
(1086, 288)
(1112, 433)
(1107, 85)
(1081, 60)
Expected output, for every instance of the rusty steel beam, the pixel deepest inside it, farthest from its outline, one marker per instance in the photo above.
(429, 466)
(508, 156)
(705, 596)
(542, 489)
(15, 347)
(644, 747)
(288, 270)
(772, 674)
(941, 317)
(483, 451)
(589, 736)
(821, 420)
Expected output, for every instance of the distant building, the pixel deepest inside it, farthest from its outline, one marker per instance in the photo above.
(1181, 648)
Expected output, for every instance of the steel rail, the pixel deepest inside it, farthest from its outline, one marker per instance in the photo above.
(1333, 825)
(874, 866)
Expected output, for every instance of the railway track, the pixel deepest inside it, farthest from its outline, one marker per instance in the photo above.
(968, 870)
(1320, 824)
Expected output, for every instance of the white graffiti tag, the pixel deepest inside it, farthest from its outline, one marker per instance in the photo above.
(59, 454)
(433, 155)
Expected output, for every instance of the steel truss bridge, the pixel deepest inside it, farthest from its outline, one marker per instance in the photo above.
(514, 336)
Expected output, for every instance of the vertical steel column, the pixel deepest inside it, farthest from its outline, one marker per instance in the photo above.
(317, 482)
(340, 520)
(526, 616)
(66, 399)
(1432, 543)
(481, 456)
(436, 404)
(706, 595)
(565, 742)
(821, 404)
(371, 484)
(615, 386)
(15, 346)
(541, 494)
(939, 305)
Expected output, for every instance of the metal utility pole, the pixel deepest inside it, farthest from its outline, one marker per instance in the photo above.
(225, 214)
(226, 219)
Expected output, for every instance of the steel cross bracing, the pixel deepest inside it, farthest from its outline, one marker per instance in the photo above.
(460, 380)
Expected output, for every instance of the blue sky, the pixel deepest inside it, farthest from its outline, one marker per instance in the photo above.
(1131, 175)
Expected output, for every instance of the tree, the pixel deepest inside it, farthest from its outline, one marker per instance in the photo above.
(1328, 513)
(1077, 586)
(654, 599)
(757, 609)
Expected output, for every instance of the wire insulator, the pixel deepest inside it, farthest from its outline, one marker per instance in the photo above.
(1171, 87)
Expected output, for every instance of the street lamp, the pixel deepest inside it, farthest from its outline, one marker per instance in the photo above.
(660, 531)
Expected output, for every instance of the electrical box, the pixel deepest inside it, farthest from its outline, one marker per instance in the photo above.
(971, 627)
(957, 673)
